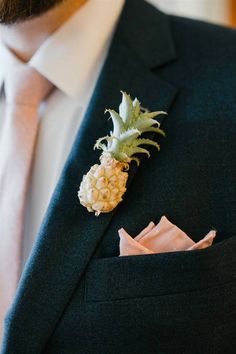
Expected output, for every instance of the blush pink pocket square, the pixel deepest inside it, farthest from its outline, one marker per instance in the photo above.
(163, 237)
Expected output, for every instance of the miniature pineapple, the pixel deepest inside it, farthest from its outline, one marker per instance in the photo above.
(102, 188)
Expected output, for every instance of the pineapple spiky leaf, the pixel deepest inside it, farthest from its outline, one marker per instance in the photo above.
(137, 107)
(118, 124)
(126, 108)
(131, 122)
(137, 150)
(155, 130)
(150, 115)
(99, 145)
(142, 141)
(129, 136)
(135, 159)
(145, 123)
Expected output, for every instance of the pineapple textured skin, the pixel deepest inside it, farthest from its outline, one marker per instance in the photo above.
(102, 188)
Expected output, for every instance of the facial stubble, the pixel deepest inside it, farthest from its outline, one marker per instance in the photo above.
(15, 11)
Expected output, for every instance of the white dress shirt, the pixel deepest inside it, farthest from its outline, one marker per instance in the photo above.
(71, 59)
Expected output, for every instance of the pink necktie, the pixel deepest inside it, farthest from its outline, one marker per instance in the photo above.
(25, 89)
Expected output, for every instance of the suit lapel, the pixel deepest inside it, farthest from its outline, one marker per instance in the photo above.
(69, 235)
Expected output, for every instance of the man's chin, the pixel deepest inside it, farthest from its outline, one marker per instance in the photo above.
(16, 11)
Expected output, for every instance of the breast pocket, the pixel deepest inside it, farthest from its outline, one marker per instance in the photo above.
(177, 302)
(142, 276)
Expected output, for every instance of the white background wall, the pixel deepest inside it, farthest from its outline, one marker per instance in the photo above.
(209, 10)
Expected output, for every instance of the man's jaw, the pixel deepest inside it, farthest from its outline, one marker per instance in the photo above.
(17, 11)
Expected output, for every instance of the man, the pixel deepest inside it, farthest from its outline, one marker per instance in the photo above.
(75, 294)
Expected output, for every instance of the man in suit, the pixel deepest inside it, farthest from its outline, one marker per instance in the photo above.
(75, 294)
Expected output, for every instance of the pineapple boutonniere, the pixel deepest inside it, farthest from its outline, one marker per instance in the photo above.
(102, 188)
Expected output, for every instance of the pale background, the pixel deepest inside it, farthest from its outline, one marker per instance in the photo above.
(216, 11)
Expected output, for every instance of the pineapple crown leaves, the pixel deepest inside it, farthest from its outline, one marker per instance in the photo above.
(131, 122)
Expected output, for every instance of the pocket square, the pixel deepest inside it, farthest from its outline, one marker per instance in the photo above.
(163, 237)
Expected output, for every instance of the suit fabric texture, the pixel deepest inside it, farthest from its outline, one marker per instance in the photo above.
(76, 295)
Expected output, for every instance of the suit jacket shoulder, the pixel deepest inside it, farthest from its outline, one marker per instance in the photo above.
(204, 50)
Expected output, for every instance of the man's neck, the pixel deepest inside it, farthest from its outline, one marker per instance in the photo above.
(25, 38)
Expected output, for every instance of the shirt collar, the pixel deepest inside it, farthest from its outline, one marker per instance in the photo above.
(7, 61)
(69, 57)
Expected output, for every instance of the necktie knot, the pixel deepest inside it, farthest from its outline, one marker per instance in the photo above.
(26, 86)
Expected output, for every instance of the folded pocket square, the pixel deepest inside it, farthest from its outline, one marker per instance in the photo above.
(163, 237)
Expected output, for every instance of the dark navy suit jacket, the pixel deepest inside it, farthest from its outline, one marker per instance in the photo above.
(76, 295)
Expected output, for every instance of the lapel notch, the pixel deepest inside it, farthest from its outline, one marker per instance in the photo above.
(149, 34)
